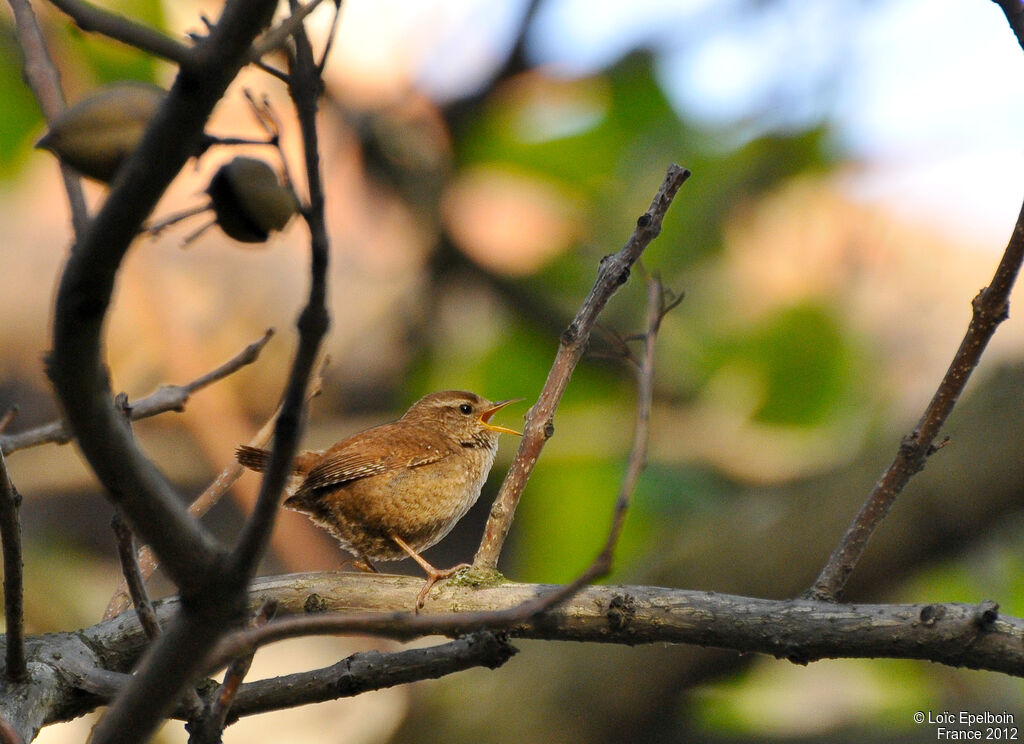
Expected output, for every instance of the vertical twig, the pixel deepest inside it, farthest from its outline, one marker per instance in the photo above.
(44, 80)
(990, 308)
(613, 272)
(133, 578)
(14, 611)
(313, 321)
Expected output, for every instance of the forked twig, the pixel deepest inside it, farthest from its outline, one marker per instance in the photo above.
(613, 272)
(165, 398)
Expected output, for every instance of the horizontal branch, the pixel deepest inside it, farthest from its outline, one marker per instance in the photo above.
(165, 398)
(800, 630)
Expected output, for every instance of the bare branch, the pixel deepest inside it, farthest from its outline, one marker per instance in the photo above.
(304, 85)
(188, 551)
(16, 669)
(7, 418)
(126, 30)
(613, 272)
(278, 36)
(133, 577)
(802, 630)
(44, 80)
(165, 398)
(372, 670)
(656, 310)
(990, 308)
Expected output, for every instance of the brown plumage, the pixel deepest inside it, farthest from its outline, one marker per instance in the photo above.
(397, 489)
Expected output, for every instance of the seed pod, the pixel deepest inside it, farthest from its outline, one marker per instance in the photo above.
(97, 134)
(249, 201)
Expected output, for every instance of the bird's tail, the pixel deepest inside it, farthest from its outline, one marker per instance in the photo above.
(256, 458)
(253, 458)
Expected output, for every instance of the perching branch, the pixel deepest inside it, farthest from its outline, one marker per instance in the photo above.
(990, 308)
(16, 667)
(613, 272)
(801, 630)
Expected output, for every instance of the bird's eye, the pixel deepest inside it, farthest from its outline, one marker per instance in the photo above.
(466, 408)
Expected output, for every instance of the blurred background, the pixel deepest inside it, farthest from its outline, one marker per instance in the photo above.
(856, 173)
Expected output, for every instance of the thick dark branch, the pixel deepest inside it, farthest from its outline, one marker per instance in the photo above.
(187, 551)
(165, 398)
(990, 308)
(120, 28)
(16, 668)
(1014, 11)
(42, 77)
(613, 273)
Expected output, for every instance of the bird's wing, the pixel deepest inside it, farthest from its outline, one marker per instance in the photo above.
(379, 450)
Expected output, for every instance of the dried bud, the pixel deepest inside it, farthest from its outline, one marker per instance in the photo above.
(97, 134)
(249, 200)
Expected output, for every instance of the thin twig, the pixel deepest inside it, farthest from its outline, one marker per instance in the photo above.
(656, 311)
(133, 577)
(7, 418)
(44, 80)
(14, 610)
(126, 30)
(313, 321)
(165, 398)
(990, 308)
(278, 36)
(613, 272)
(331, 33)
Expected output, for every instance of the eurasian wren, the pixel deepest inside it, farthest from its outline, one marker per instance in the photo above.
(399, 488)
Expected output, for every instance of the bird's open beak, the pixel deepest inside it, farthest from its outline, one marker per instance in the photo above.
(486, 416)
